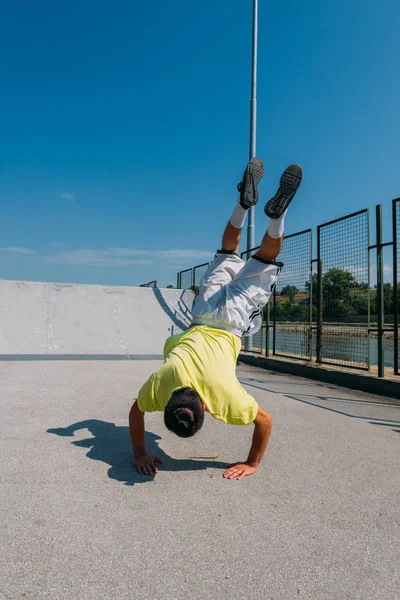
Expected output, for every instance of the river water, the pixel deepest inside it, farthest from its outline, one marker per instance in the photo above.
(337, 348)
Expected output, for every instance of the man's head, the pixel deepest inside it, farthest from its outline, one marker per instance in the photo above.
(184, 413)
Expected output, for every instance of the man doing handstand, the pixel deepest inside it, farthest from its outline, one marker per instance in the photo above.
(199, 370)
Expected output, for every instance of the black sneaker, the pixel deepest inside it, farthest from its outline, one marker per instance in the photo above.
(248, 188)
(288, 186)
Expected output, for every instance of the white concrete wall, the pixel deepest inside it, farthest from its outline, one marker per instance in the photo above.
(66, 319)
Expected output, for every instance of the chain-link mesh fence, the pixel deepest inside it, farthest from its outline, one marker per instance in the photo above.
(337, 301)
(198, 273)
(185, 279)
(292, 333)
(344, 260)
(191, 278)
(258, 340)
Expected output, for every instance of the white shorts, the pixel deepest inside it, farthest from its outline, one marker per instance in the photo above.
(233, 293)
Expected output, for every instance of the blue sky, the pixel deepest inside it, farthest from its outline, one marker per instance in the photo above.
(124, 126)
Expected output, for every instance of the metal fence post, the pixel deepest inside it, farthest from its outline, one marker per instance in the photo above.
(319, 311)
(248, 342)
(395, 292)
(267, 321)
(253, 116)
(274, 325)
(379, 290)
(369, 296)
(310, 300)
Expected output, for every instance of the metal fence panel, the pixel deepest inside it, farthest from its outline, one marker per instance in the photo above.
(344, 262)
(259, 341)
(191, 278)
(198, 273)
(292, 315)
(185, 279)
(291, 310)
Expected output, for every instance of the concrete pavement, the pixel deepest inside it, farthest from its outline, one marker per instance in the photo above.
(319, 520)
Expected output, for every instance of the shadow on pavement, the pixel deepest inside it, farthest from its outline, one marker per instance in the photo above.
(328, 403)
(112, 445)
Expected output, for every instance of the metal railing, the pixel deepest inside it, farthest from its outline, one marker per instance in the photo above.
(343, 294)
(325, 309)
(198, 273)
(292, 306)
(190, 279)
(185, 279)
(150, 284)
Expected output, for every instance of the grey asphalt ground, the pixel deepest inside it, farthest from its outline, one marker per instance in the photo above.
(320, 519)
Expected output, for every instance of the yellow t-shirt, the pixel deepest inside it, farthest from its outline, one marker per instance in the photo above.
(204, 359)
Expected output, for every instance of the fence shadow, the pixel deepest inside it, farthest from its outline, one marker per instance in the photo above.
(111, 444)
(316, 400)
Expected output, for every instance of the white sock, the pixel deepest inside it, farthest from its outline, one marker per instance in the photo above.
(238, 216)
(276, 226)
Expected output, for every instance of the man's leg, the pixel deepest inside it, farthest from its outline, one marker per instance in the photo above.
(276, 209)
(227, 262)
(270, 247)
(248, 189)
(251, 289)
(231, 238)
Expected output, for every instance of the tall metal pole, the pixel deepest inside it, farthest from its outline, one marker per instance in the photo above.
(253, 118)
(253, 134)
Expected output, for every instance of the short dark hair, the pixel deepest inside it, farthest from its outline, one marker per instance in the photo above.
(184, 413)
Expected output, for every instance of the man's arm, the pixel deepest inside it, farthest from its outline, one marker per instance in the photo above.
(143, 463)
(262, 431)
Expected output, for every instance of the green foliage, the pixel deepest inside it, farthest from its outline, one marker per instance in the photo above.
(290, 291)
(344, 299)
(338, 300)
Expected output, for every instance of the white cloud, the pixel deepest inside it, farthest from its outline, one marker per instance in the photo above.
(94, 258)
(123, 257)
(67, 196)
(115, 257)
(167, 254)
(185, 254)
(17, 250)
(123, 252)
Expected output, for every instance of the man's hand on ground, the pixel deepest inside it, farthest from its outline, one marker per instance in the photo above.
(239, 471)
(146, 464)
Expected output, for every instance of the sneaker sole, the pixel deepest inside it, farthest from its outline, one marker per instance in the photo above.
(253, 174)
(289, 184)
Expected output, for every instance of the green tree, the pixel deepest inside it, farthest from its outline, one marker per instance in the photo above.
(388, 299)
(336, 292)
(290, 291)
(342, 296)
(284, 310)
(313, 288)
